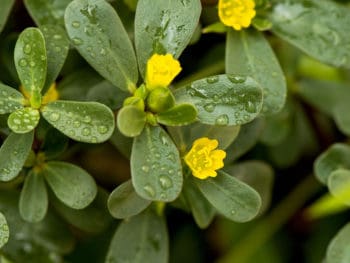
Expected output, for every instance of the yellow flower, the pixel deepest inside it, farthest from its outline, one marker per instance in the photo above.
(203, 159)
(236, 13)
(50, 96)
(161, 70)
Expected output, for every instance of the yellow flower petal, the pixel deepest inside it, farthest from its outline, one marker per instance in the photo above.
(51, 94)
(203, 159)
(161, 70)
(236, 13)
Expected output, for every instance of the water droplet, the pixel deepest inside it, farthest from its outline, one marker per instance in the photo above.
(27, 49)
(102, 129)
(209, 107)
(32, 64)
(165, 182)
(76, 124)
(54, 116)
(233, 212)
(250, 107)
(77, 41)
(86, 131)
(23, 62)
(236, 79)
(213, 79)
(58, 49)
(222, 120)
(87, 119)
(17, 121)
(93, 139)
(76, 24)
(149, 190)
(103, 52)
(145, 168)
(15, 152)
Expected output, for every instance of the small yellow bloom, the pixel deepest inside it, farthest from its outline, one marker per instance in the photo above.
(236, 13)
(203, 159)
(50, 96)
(161, 70)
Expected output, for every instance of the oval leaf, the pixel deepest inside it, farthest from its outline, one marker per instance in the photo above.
(131, 121)
(99, 35)
(156, 169)
(124, 202)
(335, 157)
(13, 154)
(231, 197)
(30, 60)
(319, 28)
(71, 184)
(339, 185)
(33, 200)
(57, 46)
(23, 120)
(4, 230)
(249, 53)
(223, 99)
(338, 250)
(178, 115)
(90, 122)
(10, 99)
(142, 238)
(164, 26)
(6, 6)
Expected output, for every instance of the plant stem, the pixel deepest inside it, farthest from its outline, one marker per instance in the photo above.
(270, 224)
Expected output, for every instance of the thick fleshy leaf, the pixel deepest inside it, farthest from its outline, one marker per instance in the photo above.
(90, 122)
(339, 185)
(156, 169)
(23, 120)
(178, 115)
(338, 250)
(92, 219)
(33, 200)
(231, 197)
(131, 121)
(202, 211)
(335, 157)
(142, 238)
(124, 202)
(30, 60)
(46, 12)
(57, 46)
(71, 184)
(319, 28)
(4, 230)
(13, 154)
(6, 6)
(100, 37)
(164, 26)
(10, 99)
(341, 117)
(223, 99)
(248, 53)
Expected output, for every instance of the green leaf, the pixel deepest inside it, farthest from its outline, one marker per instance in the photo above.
(142, 238)
(217, 27)
(46, 12)
(339, 185)
(335, 157)
(319, 28)
(232, 198)
(248, 53)
(164, 26)
(13, 154)
(71, 184)
(23, 120)
(92, 219)
(156, 169)
(30, 60)
(100, 37)
(33, 200)
(202, 211)
(338, 250)
(4, 230)
(131, 121)
(178, 115)
(124, 202)
(341, 117)
(6, 6)
(90, 122)
(10, 99)
(57, 46)
(223, 99)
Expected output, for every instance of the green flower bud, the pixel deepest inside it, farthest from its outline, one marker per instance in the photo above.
(160, 99)
(135, 101)
(141, 92)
